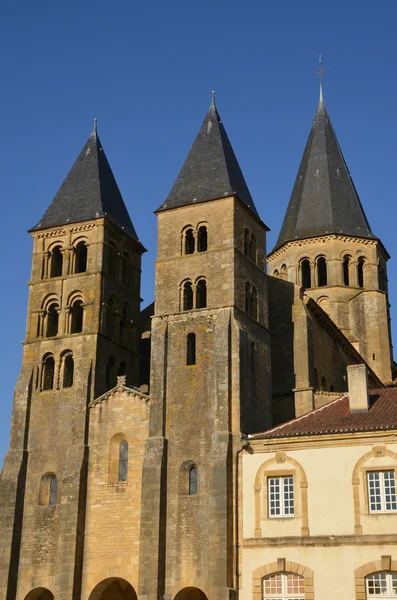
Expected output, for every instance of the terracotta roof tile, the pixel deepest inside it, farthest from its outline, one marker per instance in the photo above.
(335, 417)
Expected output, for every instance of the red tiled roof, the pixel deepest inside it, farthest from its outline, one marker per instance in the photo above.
(335, 417)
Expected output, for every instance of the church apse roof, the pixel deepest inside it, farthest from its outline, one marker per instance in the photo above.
(211, 170)
(324, 199)
(89, 192)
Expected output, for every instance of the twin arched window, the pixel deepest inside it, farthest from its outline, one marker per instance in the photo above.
(65, 370)
(306, 275)
(200, 295)
(189, 238)
(251, 300)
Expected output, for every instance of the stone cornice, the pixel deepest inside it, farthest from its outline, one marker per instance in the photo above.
(323, 540)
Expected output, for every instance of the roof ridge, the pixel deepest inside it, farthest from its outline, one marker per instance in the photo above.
(302, 417)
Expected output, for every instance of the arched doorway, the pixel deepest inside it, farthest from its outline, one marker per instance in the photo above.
(113, 588)
(191, 593)
(40, 594)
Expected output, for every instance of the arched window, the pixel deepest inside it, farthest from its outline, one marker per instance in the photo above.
(306, 275)
(109, 372)
(56, 262)
(316, 380)
(202, 239)
(346, 265)
(76, 316)
(275, 273)
(323, 384)
(284, 586)
(284, 272)
(52, 320)
(252, 248)
(189, 241)
(80, 258)
(254, 303)
(321, 271)
(382, 585)
(187, 295)
(122, 368)
(48, 490)
(123, 324)
(247, 297)
(331, 389)
(68, 370)
(111, 260)
(247, 237)
(123, 461)
(201, 294)
(360, 272)
(53, 491)
(125, 270)
(191, 349)
(111, 317)
(193, 481)
(48, 372)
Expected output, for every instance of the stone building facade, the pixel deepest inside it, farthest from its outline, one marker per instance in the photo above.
(124, 476)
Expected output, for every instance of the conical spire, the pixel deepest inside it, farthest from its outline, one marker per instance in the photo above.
(324, 199)
(211, 170)
(89, 192)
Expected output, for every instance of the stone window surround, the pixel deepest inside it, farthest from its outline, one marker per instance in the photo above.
(261, 495)
(282, 566)
(384, 564)
(360, 483)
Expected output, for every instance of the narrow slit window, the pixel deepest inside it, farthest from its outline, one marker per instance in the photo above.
(191, 349)
(193, 481)
(123, 461)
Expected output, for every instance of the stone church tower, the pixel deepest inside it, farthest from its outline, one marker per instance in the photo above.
(84, 302)
(210, 370)
(326, 245)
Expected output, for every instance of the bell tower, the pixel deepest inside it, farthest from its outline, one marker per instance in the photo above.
(326, 245)
(210, 371)
(81, 333)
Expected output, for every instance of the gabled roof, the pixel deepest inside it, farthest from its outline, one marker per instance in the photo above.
(211, 170)
(89, 192)
(324, 199)
(335, 417)
(120, 387)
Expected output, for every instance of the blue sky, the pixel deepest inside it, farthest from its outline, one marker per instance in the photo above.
(145, 71)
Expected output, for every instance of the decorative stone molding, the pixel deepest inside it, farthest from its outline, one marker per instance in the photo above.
(282, 566)
(384, 564)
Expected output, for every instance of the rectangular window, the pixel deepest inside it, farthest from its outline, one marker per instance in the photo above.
(382, 491)
(281, 496)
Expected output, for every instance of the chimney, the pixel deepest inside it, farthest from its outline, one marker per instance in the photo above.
(357, 384)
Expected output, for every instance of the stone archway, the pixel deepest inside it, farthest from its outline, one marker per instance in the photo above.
(113, 588)
(40, 594)
(190, 593)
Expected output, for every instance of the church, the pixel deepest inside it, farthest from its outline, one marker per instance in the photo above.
(234, 440)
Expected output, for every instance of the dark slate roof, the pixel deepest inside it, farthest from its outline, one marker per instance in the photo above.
(211, 170)
(324, 199)
(89, 192)
(335, 417)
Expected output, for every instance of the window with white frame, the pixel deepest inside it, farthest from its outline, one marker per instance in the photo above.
(283, 586)
(382, 585)
(281, 496)
(381, 491)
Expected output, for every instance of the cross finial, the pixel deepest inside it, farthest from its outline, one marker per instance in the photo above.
(320, 74)
(121, 380)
